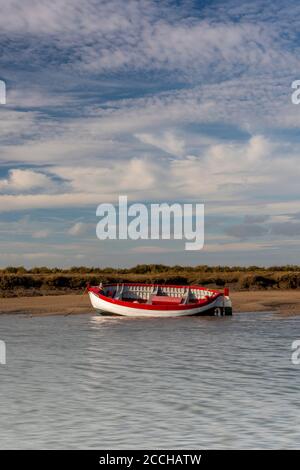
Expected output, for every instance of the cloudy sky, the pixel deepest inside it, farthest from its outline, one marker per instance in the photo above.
(186, 101)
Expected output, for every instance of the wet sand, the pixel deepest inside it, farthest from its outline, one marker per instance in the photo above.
(47, 305)
(281, 301)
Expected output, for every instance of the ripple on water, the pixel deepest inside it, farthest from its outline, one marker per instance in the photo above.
(108, 382)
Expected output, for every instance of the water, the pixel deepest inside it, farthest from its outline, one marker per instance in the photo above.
(99, 382)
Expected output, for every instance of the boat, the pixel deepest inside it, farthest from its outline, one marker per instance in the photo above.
(152, 300)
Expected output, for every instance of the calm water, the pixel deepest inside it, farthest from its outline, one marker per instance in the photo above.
(99, 382)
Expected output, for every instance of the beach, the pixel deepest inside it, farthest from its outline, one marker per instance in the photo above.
(285, 302)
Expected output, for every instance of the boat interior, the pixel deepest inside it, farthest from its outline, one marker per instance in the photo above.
(157, 295)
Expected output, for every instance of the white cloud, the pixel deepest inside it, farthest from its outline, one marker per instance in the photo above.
(223, 173)
(154, 35)
(24, 180)
(107, 133)
(79, 228)
(127, 176)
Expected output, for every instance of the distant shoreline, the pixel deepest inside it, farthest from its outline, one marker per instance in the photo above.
(282, 301)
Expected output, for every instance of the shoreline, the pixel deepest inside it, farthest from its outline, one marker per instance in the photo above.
(285, 302)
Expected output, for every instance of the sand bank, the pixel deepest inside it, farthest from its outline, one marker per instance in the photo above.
(46, 305)
(281, 301)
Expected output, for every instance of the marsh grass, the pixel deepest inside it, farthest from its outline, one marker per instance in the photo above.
(18, 281)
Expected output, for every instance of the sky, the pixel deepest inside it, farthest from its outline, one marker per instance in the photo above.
(162, 101)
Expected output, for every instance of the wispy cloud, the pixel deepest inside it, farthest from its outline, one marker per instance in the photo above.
(78, 229)
(158, 100)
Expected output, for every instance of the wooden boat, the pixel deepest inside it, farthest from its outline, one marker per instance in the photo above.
(149, 300)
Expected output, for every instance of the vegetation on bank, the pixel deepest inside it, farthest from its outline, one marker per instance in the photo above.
(18, 281)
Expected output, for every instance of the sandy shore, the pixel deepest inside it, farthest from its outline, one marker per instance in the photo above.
(281, 301)
(47, 305)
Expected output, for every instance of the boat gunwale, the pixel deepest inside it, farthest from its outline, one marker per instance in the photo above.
(175, 286)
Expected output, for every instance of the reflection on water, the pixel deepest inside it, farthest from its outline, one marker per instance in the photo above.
(107, 382)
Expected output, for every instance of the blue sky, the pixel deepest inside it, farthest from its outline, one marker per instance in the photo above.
(180, 101)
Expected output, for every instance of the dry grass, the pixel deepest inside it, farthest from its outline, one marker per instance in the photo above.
(19, 282)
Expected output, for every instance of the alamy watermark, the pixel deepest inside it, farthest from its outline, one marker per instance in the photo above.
(295, 358)
(296, 94)
(2, 352)
(2, 92)
(152, 222)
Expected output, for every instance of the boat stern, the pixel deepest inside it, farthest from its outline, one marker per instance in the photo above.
(223, 306)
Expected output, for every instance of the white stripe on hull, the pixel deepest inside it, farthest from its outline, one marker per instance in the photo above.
(116, 309)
